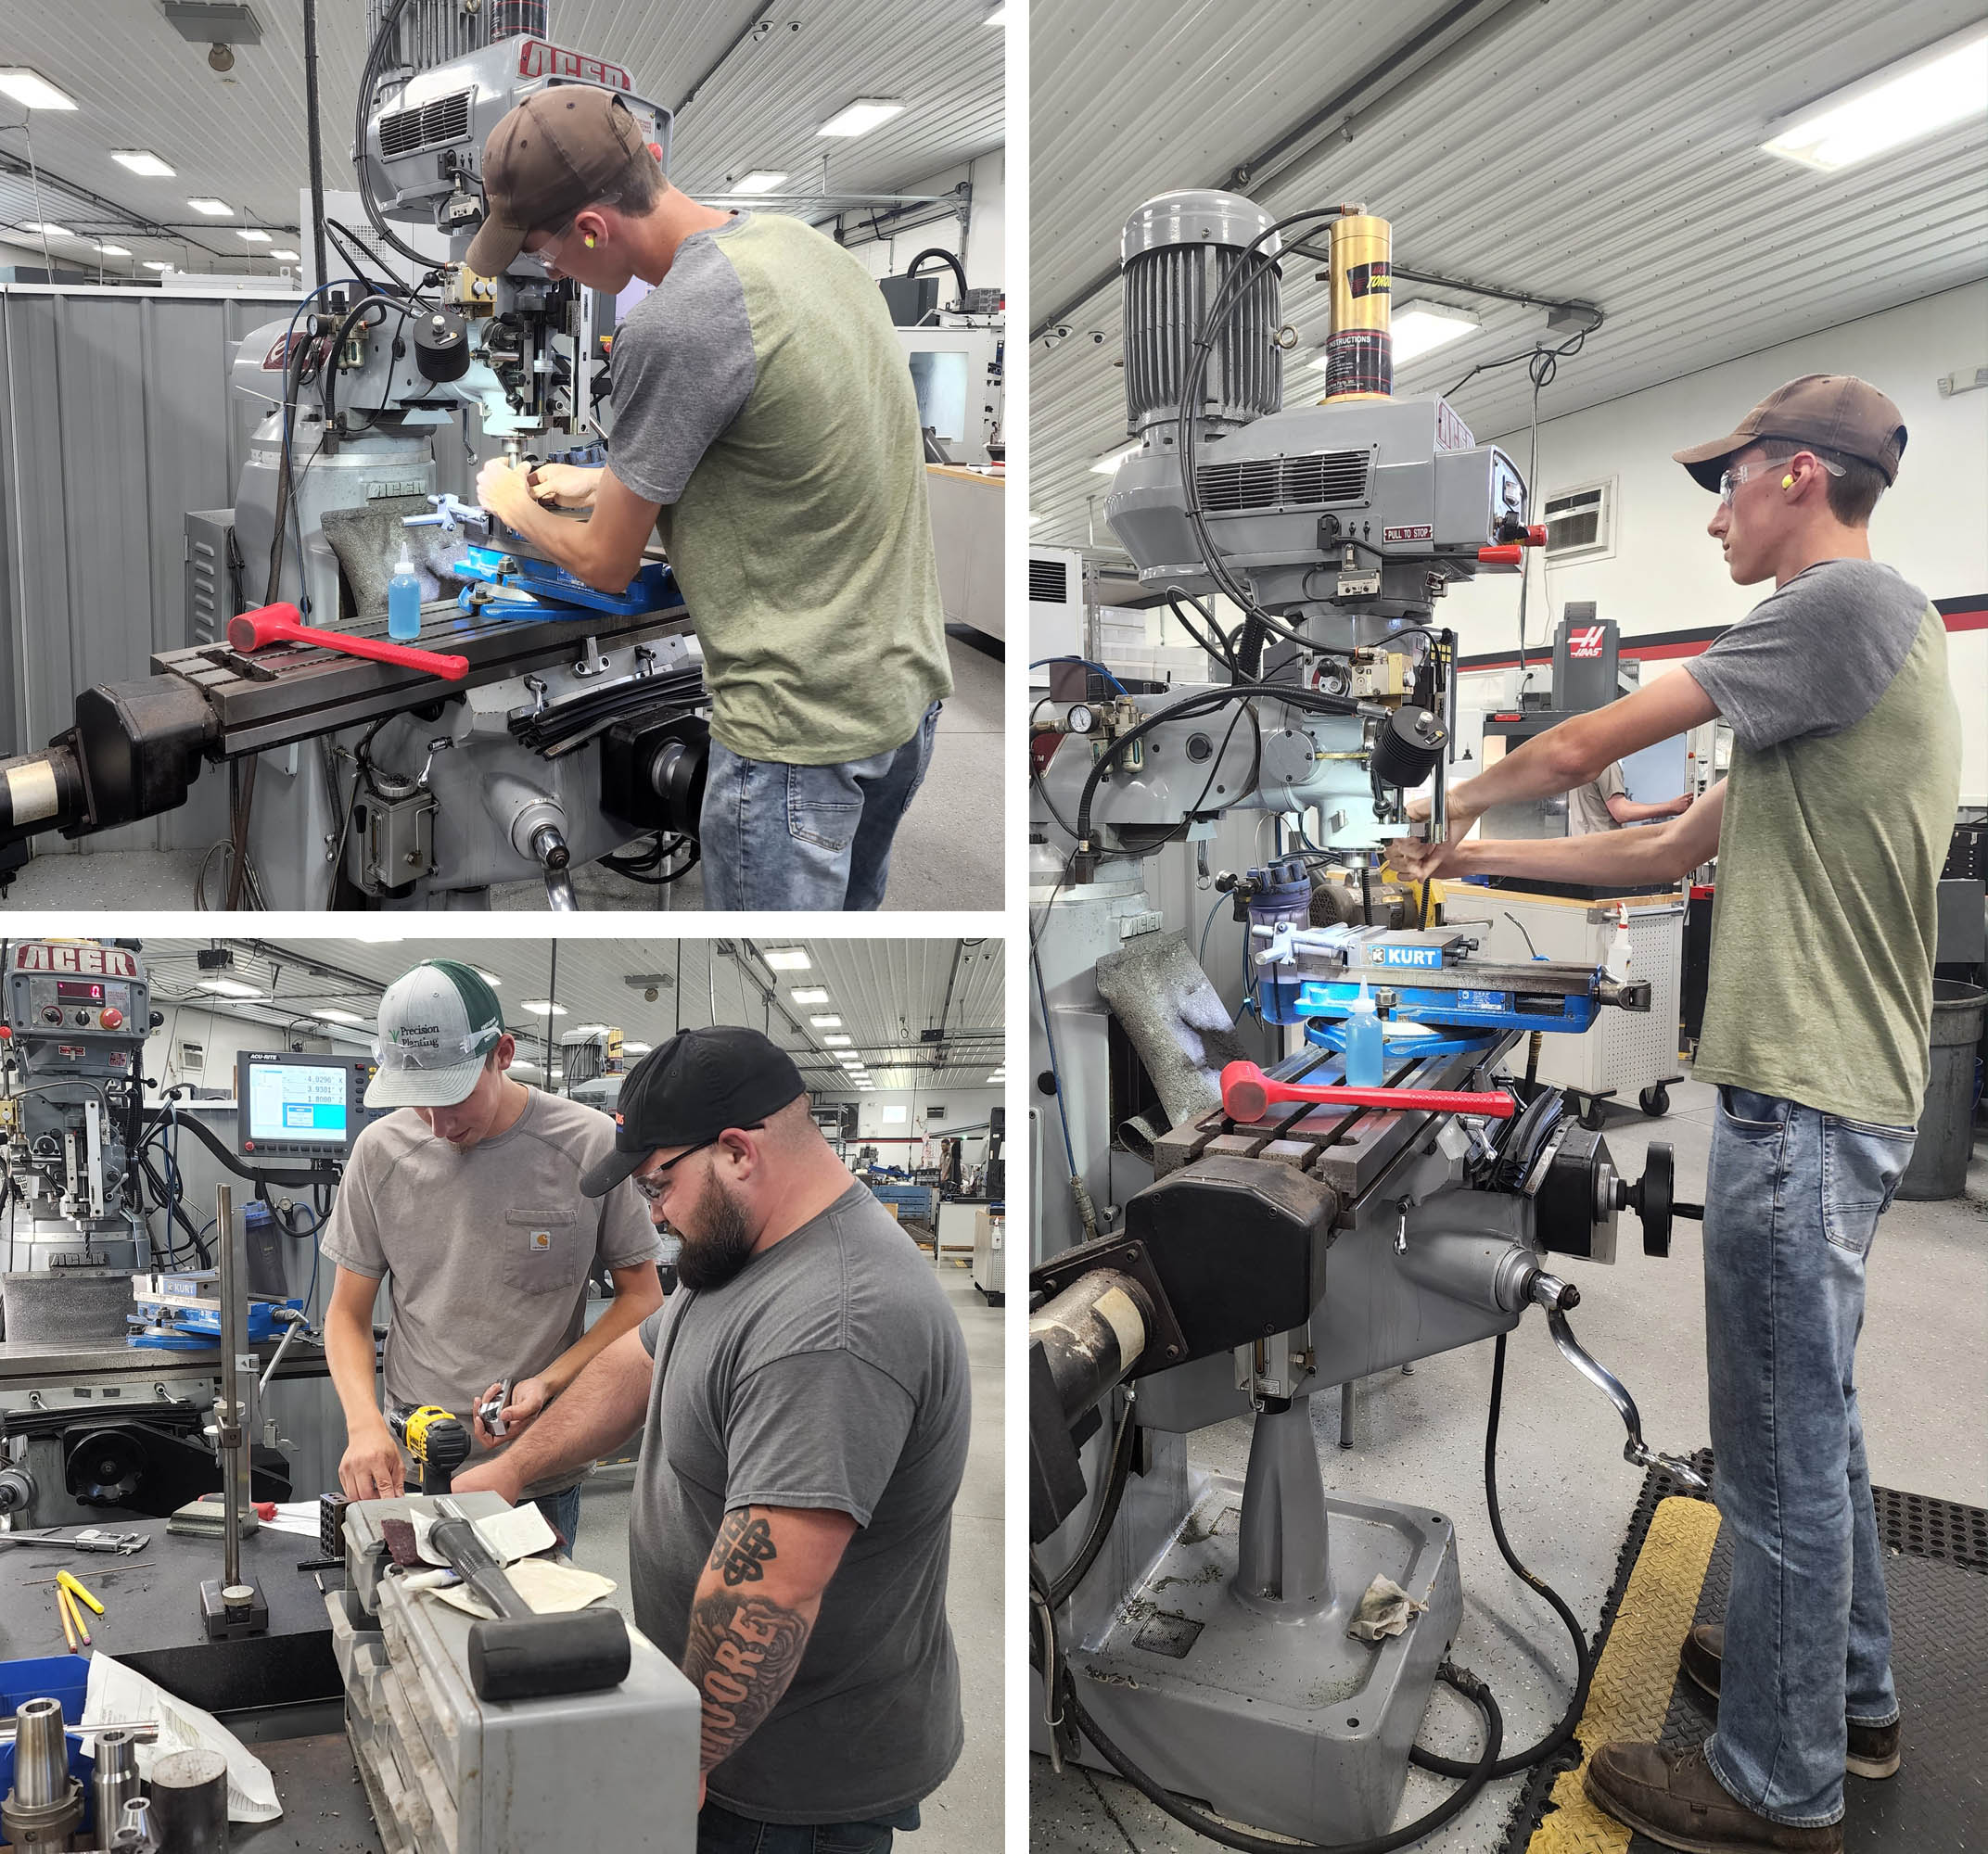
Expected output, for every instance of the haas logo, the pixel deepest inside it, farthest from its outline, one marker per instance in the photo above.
(1585, 641)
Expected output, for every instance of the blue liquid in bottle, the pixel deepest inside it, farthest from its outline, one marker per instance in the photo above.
(403, 598)
(1366, 1056)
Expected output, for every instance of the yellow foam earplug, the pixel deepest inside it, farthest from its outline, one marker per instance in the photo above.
(1786, 482)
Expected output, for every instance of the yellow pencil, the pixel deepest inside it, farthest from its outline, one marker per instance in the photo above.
(69, 1628)
(74, 1586)
(75, 1615)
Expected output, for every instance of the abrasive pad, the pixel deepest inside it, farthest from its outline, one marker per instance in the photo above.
(367, 541)
(1182, 1031)
(73, 1305)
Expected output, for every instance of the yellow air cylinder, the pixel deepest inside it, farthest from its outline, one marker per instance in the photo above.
(1359, 351)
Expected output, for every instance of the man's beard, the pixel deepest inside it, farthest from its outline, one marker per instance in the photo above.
(723, 1243)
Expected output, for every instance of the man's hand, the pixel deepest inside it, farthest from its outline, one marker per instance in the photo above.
(501, 490)
(528, 1403)
(565, 486)
(1420, 861)
(370, 1468)
(493, 1476)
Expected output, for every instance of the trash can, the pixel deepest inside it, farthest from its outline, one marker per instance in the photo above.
(1939, 1167)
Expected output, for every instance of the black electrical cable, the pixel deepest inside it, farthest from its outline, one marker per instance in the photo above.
(945, 257)
(314, 139)
(1116, 1475)
(207, 1139)
(368, 76)
(1584, 1660)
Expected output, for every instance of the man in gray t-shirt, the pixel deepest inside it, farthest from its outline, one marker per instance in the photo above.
(804, 1428)
(1604, 804)
(469, 1197)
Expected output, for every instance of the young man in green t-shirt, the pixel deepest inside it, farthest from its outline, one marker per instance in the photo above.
(1830, 833)
(765, 420)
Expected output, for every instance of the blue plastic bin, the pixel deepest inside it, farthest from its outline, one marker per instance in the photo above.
(63, 1677)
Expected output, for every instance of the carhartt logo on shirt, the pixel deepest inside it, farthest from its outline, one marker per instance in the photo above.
(540, 1240)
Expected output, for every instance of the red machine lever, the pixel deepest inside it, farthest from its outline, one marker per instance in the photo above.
(1535, 536)
(1500, 556)
(284, 624)
(1247, 1094)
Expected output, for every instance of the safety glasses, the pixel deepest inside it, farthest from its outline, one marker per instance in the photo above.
(1730, 480)
(652, 1184)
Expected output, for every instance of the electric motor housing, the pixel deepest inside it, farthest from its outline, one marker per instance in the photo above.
(1177, 252)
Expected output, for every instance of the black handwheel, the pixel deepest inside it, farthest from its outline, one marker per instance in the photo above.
(1655, 1102)
(1651, 1199)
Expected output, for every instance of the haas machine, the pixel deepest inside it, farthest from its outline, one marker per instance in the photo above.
(541, 722)
(1216, 1237)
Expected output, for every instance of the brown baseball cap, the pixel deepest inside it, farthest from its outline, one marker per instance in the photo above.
(557, 152)
(1836, 410)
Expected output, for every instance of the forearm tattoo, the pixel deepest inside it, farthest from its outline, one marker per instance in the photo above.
(743, 1548)
(741, 1655)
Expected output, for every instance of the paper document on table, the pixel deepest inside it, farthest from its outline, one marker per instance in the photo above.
(118, 1693)
(508, 1536)
(295, 1516)
(546, 1588)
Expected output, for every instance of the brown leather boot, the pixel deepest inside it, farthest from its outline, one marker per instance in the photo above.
(1672, 1798)
(1873, 1749)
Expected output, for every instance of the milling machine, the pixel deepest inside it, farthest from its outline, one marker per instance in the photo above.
(1196, 1632)
(579, 725)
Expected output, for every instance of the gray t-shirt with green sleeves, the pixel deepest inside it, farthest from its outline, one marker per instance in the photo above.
(829, 1373)
(761, 395)
(1839, 809)
(488, 1249)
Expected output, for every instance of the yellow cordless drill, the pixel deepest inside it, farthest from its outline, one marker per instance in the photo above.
(436, 1442)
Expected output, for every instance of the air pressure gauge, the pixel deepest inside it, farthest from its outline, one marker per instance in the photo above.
(1080, 719)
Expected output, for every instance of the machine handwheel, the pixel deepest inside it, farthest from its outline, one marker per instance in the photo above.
(1655, 1102)
(1652, 1198)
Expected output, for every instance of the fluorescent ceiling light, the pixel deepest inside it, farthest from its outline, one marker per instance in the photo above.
(143, 161)
(809, 995)
(487, 978)
(1932, 90)
(837, 1042)
(153, 264)
(33, 90)
(230, 988)
(588, 1029)
(789, 959)
(332, 1014)
(999, 17)
(115, 251)
(542, 1007)
(1033, 518)
(249, 235)
(1108, 465)
(47, 228)
(215, 209)
(636, 1048)
(285, 257)
(760, 180)
(860, 117)
(1422, 327)
(850, 1061)
(826, 1022)
(997, 1078)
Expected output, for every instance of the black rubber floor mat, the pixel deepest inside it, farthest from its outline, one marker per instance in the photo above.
(1936, 1576)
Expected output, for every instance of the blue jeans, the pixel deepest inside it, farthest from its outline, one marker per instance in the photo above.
(1791, 1202)
(778, 837)
(562, 1512)
(720, 1832)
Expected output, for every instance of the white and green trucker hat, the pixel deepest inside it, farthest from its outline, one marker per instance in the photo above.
(436, 1024)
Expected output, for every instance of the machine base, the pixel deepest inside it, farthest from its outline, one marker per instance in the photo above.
(1288, 1726)
(221, 1626)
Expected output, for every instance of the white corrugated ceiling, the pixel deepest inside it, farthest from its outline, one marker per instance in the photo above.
(240, 137)
(889, 993)
(1592, 150)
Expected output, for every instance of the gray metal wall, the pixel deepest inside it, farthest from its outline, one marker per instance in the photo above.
(116, 419)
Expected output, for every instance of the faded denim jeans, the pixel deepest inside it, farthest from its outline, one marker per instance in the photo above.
(1791, 1202)
(720, 1832)
(773, 836)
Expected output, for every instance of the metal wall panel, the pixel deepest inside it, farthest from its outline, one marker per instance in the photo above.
(116, 420)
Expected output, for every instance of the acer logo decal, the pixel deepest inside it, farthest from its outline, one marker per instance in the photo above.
(536, 59)
(105, 962)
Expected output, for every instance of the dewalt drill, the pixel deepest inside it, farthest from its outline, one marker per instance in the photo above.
(436, 1442)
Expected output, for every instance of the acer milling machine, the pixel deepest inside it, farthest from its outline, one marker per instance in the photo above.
(1385, 1191)
(571, 724)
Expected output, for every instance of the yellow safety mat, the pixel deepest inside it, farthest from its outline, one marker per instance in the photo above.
(1631, 1690)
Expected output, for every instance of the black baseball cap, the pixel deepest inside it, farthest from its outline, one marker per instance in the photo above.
(689, 1091)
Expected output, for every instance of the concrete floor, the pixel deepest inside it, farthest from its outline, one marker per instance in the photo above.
(948, 852)
(1564, 1490)
(964, 1814)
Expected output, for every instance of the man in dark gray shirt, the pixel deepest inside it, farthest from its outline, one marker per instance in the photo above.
(804, 1407)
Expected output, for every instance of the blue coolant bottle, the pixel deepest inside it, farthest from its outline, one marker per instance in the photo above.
(403, 598)
(1366, 1058)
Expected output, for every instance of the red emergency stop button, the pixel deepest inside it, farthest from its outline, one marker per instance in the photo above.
(112, 1018)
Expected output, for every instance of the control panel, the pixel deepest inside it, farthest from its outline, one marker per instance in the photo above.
(75, 1007)
(290, 1107)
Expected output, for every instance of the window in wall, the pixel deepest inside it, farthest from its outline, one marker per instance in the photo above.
(893, 1116)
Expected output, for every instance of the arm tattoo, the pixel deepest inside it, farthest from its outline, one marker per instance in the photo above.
(743, 1549)
(741, 1655)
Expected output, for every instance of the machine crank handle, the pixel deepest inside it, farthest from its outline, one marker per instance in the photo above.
(1248, 1093)
(1557, 1296)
